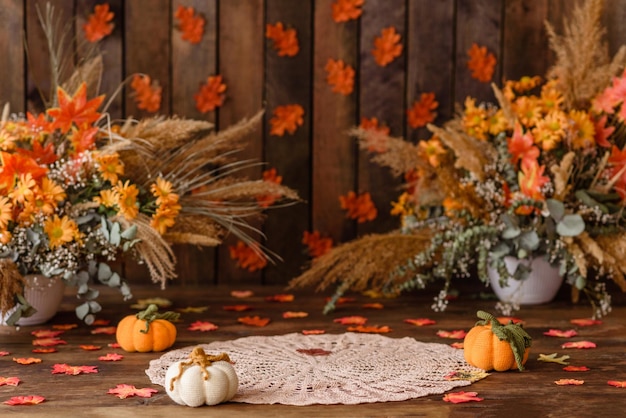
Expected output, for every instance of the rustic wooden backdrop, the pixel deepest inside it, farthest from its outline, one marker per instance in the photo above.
(319, 160)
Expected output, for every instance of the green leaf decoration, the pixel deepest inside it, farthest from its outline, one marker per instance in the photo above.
(556, 209)
(82, 310)
(104, 272)
(571, 225)
(115, 238)
(130, 233)
(529, 240)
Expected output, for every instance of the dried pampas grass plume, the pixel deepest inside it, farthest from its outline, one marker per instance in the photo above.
(11, 284)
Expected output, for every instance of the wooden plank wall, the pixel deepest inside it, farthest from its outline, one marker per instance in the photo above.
(318, 160)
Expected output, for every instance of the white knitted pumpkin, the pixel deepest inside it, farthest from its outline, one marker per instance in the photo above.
(202, 380)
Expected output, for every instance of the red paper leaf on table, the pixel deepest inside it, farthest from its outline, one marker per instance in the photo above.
(9, 381)
(280, 298)
(374, 305)
(48, 342)
(420, 322)
(290, 314)
(111, 357)
(458, 345)
(73, 370)
(566, 382)
(256, 321)
(46, 333)
(313, 332)
(461, 397)
(576, 368)
(65, 327)
(351, 320)
(560, 333)
(202, 326)
(370, 329)
(25, 400)
(585, 322)
(237, 308)
(126, 391)
(101, 322)
(457, 334)
(89, 347)
(29, 360)
(579, 344)
(46, 350)
(314, 351)
(104, 330)
(4, 353)
(617, 384)
(504, 320)
(241, 294)
(114, 345)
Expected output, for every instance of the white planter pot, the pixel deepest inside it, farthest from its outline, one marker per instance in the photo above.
(45, 294)
(541, 285)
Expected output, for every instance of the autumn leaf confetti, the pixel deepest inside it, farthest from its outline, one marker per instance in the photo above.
(387, 46)
(461, 397)
(125, 391)
(90, 347)
(370, 329)
(351, 320)
(44, 350)
(242, 294)
(359, 207)
(456, 334)
(237, 308)
(285, 39)
(313, 332)
(281, 297)
(420, 322)
(9, 381)
(146, 92)
(286, 118)
(104, 330)
(190, 24)
(26, 360)
(617, 384)
(25, 400)
(98, 23)
(579, 344)
(211, 95)
(292, 314)
(566, 382)
(585, 322)
(73, 370)
(481, 63)
(111, 357)
(422, 111)
(345, 10)
(256, 321)
(576, 368)
(339, 76)
(4, 353)
(46, 333)
(560, 333)
(202, 326)
(317, 245)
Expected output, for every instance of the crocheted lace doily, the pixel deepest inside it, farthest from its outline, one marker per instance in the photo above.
(350, 368)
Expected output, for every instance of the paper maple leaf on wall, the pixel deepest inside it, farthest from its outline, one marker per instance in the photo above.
(317, 245)
(247, 257)
(285, 40)
(387, 46)
(340, 76)
(481, 63)
(211, 95)
(286, 118)
(147, 93)
(190, 24)
(377, 134)
(272, 177)
(423, 111)
(359, 207)
(345, 10)
(98, 23)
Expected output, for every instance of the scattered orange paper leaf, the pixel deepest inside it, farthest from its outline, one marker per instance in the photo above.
(286, 118)
(370, 329)
(90, 347)
(351, 320)
(26, 361)
(211, 94)
(42, 350)
(101, 322)
(387, 46)
(374, 305)
(456, 334)
(341, 300)
(579, 344)
(111, 357)
(48, 342)
(314, 351)
(504, 320)
(9, 381)
(420, 322)
(237, 308)
(125, 391)
(423, 111)
(576, 368)
(268, 200)
(359, 207)
(376, 139)
(65, 327)
(25, 400)
(246, 257)
(190, 24)
(565, 382)
(585, 322)
(481, 63)
(617, 384)
(345, 10)
(560, 333)
(74, 109)
(104, 330)
(313, 332)
(340, 76)
(316, 244)
(147, 93)
(281, 297)
(256, 321)
(202, 326)
(458, 345)
(73, 370)
(114, 345)
(241, 294)
(46, 333)
(285, 40)
(4, 353)
(98, 23)
(461, 397)
(291, 314)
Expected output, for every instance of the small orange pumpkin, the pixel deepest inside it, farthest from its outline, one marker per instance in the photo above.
(489, 345)
(147, 331)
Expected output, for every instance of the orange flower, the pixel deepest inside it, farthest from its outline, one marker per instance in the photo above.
(531, 179)
(247, 257)
(74, 109)
(210, 95)
(316, 244)
(286, 118)
(359, 207)
(431, 150)
(110, 167)
(60, 230)
(285, 40)
(377, 138)
(344, 10)
(521, 146)
(190, 24)
(340, 76)
(387, 46)
(481, 63)
(98, 26)
(423, 111)
(268, 200)
(83, 139)
(147, 93)
(127, 199)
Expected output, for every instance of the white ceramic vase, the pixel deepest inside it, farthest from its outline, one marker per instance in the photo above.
(541, 285)
(45, 294)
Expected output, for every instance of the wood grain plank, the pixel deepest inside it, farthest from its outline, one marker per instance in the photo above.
(480, 22)
(241, 43)
(288, 81)
(12, 49)
(613, 19)
(191, 65)
(381, 95)
(430, 58)
(334, 154)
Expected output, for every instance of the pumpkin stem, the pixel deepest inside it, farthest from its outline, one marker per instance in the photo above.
(512, 333)
(199, 358)
(151, 313)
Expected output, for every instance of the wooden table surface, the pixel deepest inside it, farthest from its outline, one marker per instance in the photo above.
(531, 393)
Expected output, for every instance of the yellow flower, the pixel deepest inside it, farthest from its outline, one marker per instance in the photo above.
(23, 189)
(583, 129)
(525, 83)
(401, 207)
(164, 217)
(551, 98)
(162, 190)
(45, 199)
(431, 150)
(107, 198)
(497, 123)
(527, 110)
(127, 200)
(6, 212)
(110, 167)
(60, 230)
(475, 119)
(5, 237)
(451, 206)
(550, 130)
